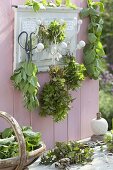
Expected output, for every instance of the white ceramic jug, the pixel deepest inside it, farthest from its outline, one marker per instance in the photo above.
(99, 125)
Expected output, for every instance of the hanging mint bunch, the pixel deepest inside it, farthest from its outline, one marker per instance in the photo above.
(25, 80)
(55, 99)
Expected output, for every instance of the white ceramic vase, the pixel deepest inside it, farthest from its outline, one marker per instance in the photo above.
(99, 125)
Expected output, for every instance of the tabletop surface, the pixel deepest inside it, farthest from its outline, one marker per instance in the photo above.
(101, 161)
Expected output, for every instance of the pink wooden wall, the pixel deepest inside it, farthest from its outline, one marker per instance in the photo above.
(77, 125)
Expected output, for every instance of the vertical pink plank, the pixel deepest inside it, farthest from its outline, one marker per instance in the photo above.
(74, 118)
(61, 131)
(45, 127)
(41, 124)
(76, 2)
(89, 105)
(20, 113)
(18, 2)
(6, 92)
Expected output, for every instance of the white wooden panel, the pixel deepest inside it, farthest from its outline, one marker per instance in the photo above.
(27, 20)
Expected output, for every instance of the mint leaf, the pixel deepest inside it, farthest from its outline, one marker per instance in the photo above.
(28, 2)
(36, 6)
(69, 4)
(100, 5)
(89, 56)
(84, 12)
(92, 37)
(58, 2)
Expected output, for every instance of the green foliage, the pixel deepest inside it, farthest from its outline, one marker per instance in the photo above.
(36, 5)
(8, 151)
(54, 98)
(9, 145)
(56, 32)
(106, 82)
(29, 2)
(93, 51)
(25, 80)
(53, 33)
(58, 2)
(107, 35)
(73, 73)
(106, 106)
(7, 133)
(78, 153)
(44, 2)
(7, 140)
(70, 4)
(108, 139)
(42, 35)
(32, 139)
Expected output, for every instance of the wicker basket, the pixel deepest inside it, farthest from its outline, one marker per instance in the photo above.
(23, 160)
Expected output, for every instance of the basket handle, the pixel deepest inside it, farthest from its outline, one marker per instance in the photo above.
(20, 138)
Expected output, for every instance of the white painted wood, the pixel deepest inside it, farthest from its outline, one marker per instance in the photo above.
(28, 20)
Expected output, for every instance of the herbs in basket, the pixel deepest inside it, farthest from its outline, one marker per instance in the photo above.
(9, 145)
